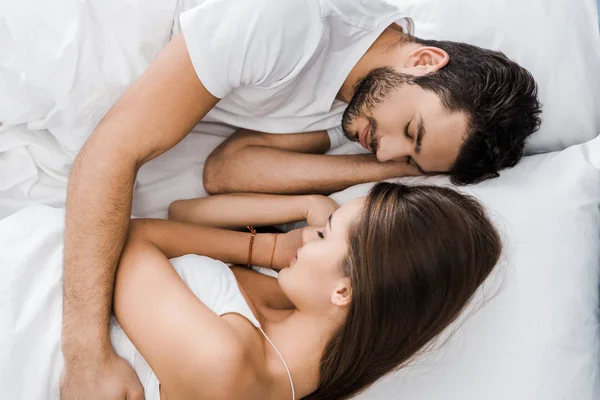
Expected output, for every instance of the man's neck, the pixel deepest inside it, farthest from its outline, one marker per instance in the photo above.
(386, 51)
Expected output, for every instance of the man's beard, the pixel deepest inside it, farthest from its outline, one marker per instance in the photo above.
(371, 90)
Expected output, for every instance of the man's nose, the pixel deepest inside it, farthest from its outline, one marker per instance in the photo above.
(393, 148)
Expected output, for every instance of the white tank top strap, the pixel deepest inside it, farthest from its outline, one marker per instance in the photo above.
(284, 363)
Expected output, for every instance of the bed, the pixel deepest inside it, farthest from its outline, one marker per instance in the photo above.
(531, 333)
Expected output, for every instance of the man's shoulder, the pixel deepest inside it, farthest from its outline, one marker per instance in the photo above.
(260, 15)
(283, 11)
(366, 14)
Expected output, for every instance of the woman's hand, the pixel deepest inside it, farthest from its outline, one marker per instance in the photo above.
(318, 210)
(288, 244)
(286, 248)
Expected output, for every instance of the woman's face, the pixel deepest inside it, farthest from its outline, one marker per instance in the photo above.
(315, 280)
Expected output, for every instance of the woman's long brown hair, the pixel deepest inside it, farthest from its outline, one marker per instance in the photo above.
(416, 256)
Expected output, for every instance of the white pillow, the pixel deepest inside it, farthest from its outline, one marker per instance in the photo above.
(558, 41)
(536, 335)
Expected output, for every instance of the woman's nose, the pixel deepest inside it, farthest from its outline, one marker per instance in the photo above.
(309, 234)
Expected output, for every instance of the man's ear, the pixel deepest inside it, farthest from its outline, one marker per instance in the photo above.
(342, 295)
(427, 59)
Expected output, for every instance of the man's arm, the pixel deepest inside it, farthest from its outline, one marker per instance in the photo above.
(151, 117)
(250, 161)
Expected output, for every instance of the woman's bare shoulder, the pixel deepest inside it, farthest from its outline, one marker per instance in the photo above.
(235, 372)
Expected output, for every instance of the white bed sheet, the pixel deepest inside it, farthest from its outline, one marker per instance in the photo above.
(34, 169)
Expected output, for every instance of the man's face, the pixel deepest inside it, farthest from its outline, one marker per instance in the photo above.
(398, 121)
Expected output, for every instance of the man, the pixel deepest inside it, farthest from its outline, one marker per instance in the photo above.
(280, 66)
(459, 121)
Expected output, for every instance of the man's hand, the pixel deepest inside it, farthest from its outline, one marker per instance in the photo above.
(109, 379)
(398, 169)
(256, 162)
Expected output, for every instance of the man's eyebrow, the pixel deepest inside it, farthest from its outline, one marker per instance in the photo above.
(420, 133)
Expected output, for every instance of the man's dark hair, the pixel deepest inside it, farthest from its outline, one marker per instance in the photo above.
(500, 100)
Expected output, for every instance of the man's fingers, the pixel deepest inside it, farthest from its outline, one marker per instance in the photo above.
(414, 171)
(137, 394)
(411, 170)
(135, 391)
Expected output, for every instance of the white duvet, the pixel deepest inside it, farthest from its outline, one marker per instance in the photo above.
(63, 64)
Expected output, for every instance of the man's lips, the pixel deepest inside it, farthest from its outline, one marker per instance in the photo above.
(363, 136)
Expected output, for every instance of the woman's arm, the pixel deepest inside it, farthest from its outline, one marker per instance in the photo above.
(231, 211)
(174, 239)
(194, 352)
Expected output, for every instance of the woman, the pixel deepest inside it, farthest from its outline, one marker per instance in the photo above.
(354, 299)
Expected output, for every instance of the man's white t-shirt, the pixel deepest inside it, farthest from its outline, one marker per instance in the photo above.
(277, 65)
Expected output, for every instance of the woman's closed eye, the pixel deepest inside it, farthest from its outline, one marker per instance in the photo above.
(406, 133)
(320, 234)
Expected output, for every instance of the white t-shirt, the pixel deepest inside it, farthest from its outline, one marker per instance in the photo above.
(277, 65)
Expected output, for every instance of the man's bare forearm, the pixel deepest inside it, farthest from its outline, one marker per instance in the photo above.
(98, 211)
(262, 169)
(152, 116)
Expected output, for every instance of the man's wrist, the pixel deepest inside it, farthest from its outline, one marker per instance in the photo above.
(387, 169)
(88, 345)
(82, 356)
